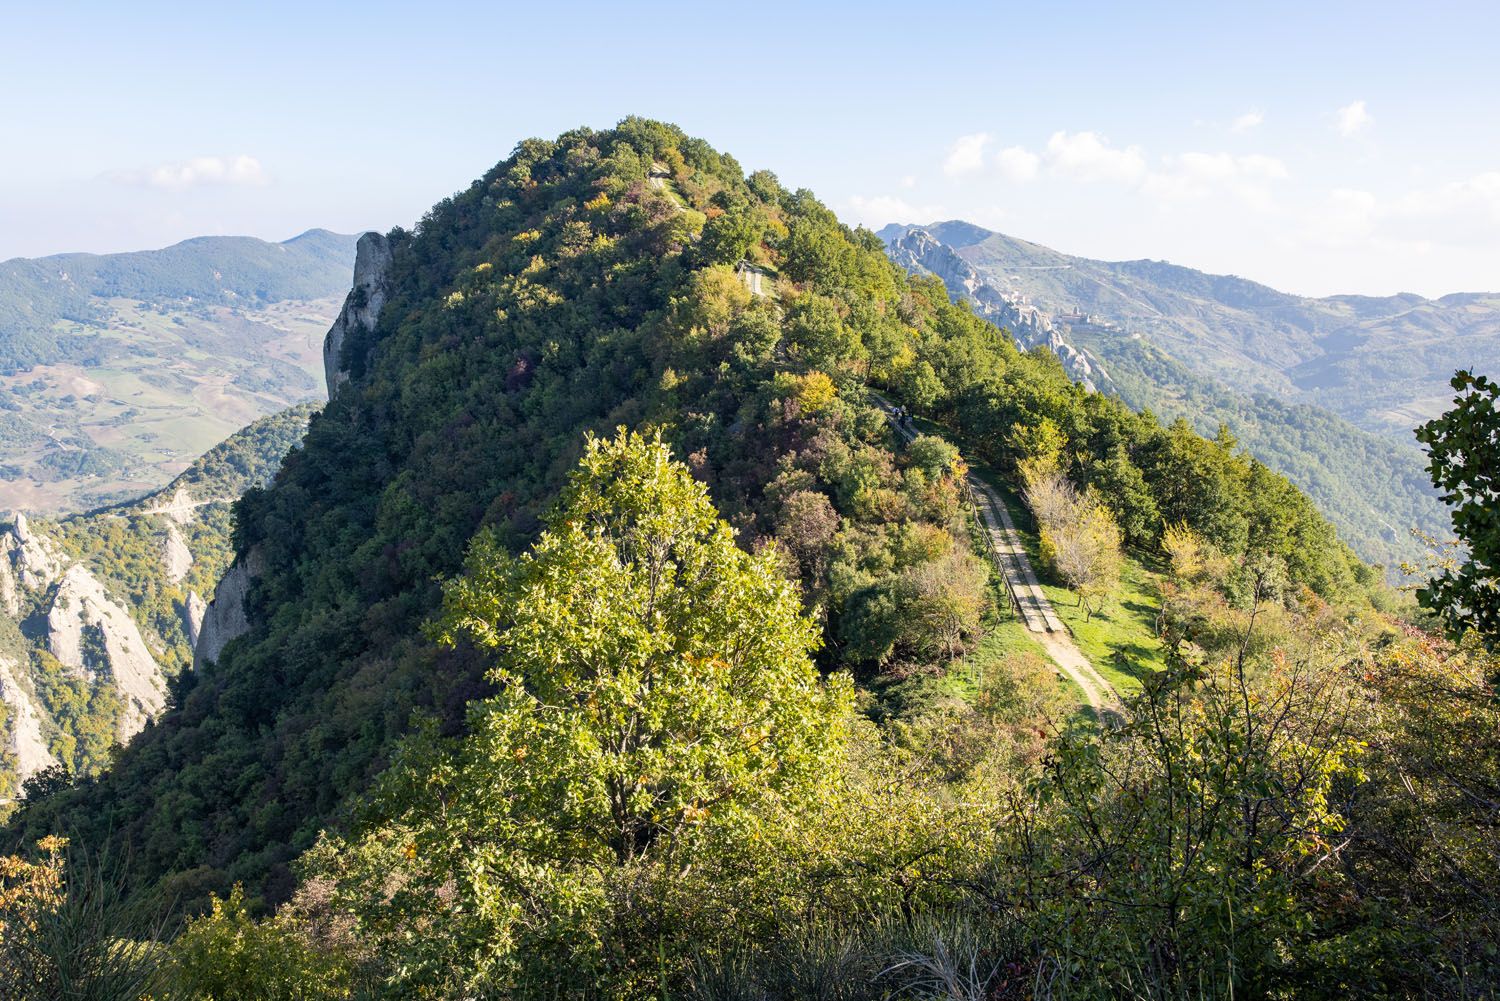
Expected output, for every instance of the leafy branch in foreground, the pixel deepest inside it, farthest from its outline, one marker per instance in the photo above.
(1464, 449)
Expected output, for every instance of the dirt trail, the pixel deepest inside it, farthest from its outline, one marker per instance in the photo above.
(1036, 612)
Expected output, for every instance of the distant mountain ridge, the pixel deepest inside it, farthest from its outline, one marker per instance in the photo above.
(38, 293)
(1382, 363)
(117, 369)
(1312, 387)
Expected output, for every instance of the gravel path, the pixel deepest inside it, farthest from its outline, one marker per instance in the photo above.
(1009, 555)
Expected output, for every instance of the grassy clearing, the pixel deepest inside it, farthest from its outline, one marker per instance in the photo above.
(965, 677)
(1120, 640)
(1004, 637)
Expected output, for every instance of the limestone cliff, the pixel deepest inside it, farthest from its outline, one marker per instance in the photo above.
(919, 252)
(32, 563)
(109, 602)
(23, 739)
(10, 592)
(193, 610)
(176, 557)
(226, 617)
(372, 265)
(90, 631)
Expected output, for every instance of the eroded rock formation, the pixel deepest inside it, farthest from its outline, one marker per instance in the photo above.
(919, 252)
(226, 617)
(372, 265)
(24, 738)
(89, 631)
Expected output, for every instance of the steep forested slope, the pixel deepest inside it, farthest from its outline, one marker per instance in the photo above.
(600, 280)
(1208, 348)
(1382, 363)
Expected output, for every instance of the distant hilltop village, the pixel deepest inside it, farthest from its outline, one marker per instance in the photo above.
(1078, 318)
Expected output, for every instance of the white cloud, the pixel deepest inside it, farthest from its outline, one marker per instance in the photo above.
(1346, 218)
(909, 181)
(1247, 121)
(966, 155)
(1201, 175)
(1462, 215)
(1016, 163)
(878, 210)
(1459, 214)
(1354, 118)
(1088, 156)
(200, 170)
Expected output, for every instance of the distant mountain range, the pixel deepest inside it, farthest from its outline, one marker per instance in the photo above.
(117, 370)
(1325, 391)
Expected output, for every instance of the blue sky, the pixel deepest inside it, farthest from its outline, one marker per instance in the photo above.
(1319, 147)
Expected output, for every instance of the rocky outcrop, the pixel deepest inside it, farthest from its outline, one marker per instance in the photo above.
(176, 558)
(89, 631)
(181, 507)
(227, 617)
(33, 563)
(10, 591)
(919, 252)
(23, 738)
(193, 610)
(372, 266)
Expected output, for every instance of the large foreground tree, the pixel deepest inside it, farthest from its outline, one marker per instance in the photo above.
(656, 700)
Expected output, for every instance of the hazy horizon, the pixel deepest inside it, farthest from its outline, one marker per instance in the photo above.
(1337, 150)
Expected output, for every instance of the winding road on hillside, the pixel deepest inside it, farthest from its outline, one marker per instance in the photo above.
(1037, 613)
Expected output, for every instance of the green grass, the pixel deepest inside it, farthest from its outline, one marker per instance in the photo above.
(1004, 637)
(1120, 639)
(965, 677)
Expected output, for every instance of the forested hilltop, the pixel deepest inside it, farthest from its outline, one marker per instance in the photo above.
(607, 642)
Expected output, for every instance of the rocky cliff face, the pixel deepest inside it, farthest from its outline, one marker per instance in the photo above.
(372, 265)
(176, 557)
(919, 252)
(226, 617)
(30, 563)
(81, 624)
(193, 611)
(89, 631)
(71, 627)
(24, 741)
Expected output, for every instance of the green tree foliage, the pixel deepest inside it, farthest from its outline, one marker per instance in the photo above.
(71, 931)
(226, 955)
(1079, 537)
(1463, 447)
(655, 694)
(562, 293)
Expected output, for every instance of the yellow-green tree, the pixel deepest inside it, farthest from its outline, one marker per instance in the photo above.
(655, 695)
